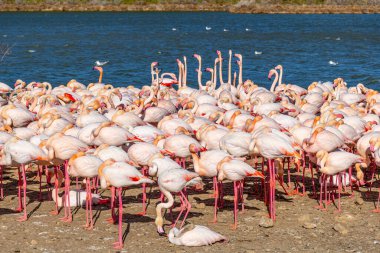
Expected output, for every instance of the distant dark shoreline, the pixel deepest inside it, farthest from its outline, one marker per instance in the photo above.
(257, 8)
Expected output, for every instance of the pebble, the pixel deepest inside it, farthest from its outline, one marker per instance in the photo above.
(249, 251)
(309, 225)
(33, 242)
(266, 222)
(340, 229)
(359, 201)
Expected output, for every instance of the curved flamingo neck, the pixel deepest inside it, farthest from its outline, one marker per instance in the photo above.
(280, 79)
(274, 82)
(166, 205)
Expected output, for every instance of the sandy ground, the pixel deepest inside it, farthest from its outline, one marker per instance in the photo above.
(359, 227)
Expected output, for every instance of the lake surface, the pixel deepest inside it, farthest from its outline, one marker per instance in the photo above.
(57, 47)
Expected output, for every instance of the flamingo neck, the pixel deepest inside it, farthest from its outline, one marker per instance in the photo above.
(280, 79)
(185, 73)
(162, 205)
(241, 71)
(229, 68)
(100, 76)
(274, 82)
(220, 71)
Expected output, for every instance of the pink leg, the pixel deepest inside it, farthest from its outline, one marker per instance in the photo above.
(377, 209)
(68, 215)
(55, 212)
(90, 206)
(216, 193)
(350, 180)
(119, 243)
(221, 195)
(19, 209)
(303, 180)
(1, 183)
(312, 180)
(25, 216)
(320, 206)
(235, 205)
(273, 187)
(40, 182)
(183, 207)
(339, 190)
(188, 207)
(112, 203)
(143, 212)
(241, 186)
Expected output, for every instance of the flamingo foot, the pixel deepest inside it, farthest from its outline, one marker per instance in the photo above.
(377, 210)
(142, 213)
(18, 209)
(67, 219)
(338, 211)
(117, 245)
(22, 218)
(54, 212)
(111, 220)
(233, 226)
(321, 207)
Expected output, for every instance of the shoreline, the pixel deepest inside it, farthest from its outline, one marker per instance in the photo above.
(240, 9)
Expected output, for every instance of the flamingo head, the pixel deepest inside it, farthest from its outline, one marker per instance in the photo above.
(271, 73)
(100, 69)
(218, 53)
(154, 64)
(197, 56)
(278, 67)
(239, 56)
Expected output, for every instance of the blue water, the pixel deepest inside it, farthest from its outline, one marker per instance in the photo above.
(57, 47)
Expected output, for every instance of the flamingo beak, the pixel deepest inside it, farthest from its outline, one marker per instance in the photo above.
(258, 174)
(203, 149)
(161, 231)
(134, 138)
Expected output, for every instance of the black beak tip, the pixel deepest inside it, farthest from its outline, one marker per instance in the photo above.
(161, 233)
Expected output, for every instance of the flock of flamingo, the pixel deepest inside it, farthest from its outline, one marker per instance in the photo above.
(83, 138)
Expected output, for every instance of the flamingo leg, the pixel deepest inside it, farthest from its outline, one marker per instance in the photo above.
(339, 190)
(312, 180)
(183, 207)
(216, 193)
(350, 180)
(39, 172)
(119, 243)
(112, 220)
(90, 206)
(25, 216)
(19, 184)
(143, 212)
(241, 187)
(187, 206)
(234, 226)
(273, 189)
(1, 183)
(68, 215)
(377, 209)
